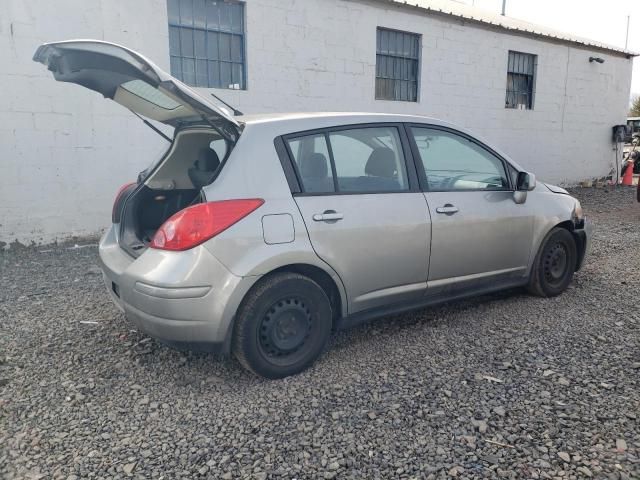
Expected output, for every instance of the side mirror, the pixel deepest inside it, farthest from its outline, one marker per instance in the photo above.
(526, 182)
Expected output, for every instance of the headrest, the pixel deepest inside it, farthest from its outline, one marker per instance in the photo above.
(207, 160)
(314, 166)
(203, 168)
(381, 163)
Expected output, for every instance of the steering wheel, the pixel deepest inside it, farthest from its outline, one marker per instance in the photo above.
(493, 182)
(449, 183)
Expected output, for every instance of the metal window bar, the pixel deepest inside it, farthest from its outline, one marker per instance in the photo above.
(520, 80)
(216, 68)
(397, 65)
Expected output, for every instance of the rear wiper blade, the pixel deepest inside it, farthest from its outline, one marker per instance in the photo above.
(153, 127)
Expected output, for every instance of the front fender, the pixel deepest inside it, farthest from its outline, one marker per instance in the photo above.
(549, 210)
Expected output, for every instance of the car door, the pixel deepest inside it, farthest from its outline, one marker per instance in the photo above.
(364, 212)
(480, 235)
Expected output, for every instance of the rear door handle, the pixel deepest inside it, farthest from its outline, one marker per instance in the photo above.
(447, 209)
(328, 216)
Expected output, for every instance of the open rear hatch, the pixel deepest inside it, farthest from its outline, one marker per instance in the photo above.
(136, 83)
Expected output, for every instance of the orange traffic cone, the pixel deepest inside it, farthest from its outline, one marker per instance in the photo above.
(627, 179)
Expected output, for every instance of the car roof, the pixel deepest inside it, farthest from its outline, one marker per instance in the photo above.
(339, 117)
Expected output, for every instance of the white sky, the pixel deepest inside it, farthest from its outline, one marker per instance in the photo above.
(602, 20)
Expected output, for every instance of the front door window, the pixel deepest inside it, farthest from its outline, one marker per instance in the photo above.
(451, 162)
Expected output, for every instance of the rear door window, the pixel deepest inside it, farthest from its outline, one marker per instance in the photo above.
(369, 160)
(311, 155)
(358, 160)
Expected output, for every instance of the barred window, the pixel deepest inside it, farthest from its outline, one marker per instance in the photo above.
(397, 65)
(521, 71)
(206, 43)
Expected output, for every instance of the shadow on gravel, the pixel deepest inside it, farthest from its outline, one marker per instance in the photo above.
(436, 316)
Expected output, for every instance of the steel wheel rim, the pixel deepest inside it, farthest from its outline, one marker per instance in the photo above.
(556, 263)
(285, 328)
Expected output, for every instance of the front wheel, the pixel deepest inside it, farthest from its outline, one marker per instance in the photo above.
(554, 265)
(282, 326)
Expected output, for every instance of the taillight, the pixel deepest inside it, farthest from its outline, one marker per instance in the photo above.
(123, 192)
(197, 224)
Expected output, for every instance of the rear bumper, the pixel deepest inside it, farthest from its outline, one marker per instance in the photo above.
(180, 334)
(583, 238)
(185, 299)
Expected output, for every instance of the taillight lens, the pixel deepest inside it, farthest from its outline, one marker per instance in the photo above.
(197, 224)
(123, 192)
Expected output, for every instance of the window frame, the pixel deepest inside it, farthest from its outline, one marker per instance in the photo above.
(530, 95)
(292, 173)
(417, 59)
(207, 30)
(422, 177)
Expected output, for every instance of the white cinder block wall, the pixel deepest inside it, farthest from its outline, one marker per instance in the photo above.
(65, 151)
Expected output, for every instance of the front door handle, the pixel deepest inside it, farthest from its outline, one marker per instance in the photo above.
(327, 216)
(447, 209)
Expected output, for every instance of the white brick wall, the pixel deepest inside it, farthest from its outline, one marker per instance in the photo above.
(64, 150)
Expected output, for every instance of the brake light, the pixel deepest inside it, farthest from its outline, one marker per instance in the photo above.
(197, 224)
(122, 192)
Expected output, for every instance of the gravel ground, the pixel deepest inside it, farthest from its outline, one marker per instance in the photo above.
(506, 385)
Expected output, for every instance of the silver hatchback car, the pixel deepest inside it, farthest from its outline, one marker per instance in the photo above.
(259, 235)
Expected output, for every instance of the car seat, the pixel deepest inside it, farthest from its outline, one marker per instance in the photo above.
(315, 174)
(204, 168)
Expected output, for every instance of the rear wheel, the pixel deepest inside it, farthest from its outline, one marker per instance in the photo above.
(282, 326)
(554, 265)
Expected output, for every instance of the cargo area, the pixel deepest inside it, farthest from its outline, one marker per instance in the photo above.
(173, 183)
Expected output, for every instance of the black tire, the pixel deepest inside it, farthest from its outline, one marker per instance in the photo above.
(282, 326)
(554, 265)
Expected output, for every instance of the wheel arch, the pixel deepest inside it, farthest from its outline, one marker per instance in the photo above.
(331, 285)
(581, 243)
(535, 285)
(324, 279)
(567, 225)
(544, 226)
